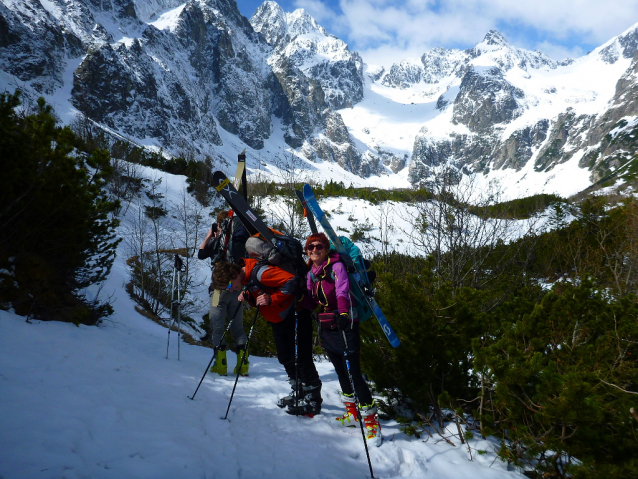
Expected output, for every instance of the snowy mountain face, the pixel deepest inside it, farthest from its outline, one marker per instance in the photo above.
(172, 73)
(197, 77)
(319, 75)
(498, 107)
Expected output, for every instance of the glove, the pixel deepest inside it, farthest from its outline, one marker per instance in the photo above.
(344, 322)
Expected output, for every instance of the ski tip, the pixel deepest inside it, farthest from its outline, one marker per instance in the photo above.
(307, 190)
(395, 343)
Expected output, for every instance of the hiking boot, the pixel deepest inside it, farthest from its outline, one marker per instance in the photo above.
(371, 422)
(219, 366)
(244, 367)
(288, 400)
(349, 418)
(310, 404)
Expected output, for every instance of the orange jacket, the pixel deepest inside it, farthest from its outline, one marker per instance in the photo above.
(280, 285)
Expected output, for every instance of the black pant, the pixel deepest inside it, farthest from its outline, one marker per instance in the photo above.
(332, 342)
(284, 336)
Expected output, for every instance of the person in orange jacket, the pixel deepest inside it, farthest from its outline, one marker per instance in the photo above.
(277, 292)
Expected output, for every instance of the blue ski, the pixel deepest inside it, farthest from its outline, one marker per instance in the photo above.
(318, 213)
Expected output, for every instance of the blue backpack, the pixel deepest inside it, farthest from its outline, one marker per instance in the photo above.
(356, 268)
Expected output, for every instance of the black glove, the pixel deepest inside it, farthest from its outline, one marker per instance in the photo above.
(344, 322)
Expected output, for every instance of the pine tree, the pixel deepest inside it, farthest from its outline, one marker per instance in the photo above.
(57, 236)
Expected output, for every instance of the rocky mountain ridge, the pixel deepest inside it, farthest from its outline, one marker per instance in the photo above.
(497, 107)
(172, 73)
(189, 77)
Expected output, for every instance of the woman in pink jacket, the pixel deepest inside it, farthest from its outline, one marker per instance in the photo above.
(329, 288)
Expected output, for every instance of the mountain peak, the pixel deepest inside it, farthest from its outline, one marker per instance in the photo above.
(300, 22)
(495, 39)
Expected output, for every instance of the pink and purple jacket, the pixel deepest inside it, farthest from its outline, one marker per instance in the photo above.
(329, 285)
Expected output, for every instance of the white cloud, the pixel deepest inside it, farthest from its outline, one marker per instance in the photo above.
(318, 10)
(557, 27)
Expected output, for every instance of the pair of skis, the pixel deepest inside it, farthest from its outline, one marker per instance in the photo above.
(255, 225)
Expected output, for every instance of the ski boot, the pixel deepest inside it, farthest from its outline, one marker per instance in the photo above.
(241, 350)
(289, 400)
(349, 418)
(371, 422)
(309, 404)
(219, 366)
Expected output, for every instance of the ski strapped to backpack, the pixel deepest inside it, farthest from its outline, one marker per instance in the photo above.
(281, 250)
(307, 214)
(359, 285)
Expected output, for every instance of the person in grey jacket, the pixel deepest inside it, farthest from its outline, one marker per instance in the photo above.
(225, 241)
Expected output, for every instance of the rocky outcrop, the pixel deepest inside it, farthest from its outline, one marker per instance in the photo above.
(488, 104)
(176, 72)
(336, 146)
(485, 99)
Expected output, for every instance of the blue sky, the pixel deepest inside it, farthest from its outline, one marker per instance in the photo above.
(387, 31)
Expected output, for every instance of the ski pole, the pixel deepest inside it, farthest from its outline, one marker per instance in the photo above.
(215, 353)
(177, 266)
(354, 395)
(297, 362)
(243, 358)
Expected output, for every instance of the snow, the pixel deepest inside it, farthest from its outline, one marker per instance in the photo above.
(104, 402)
(168, 20)
(388, 119)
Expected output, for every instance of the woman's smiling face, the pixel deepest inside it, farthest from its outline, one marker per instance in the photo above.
(317, 252)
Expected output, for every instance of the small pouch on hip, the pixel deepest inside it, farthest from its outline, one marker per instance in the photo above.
(328, 320)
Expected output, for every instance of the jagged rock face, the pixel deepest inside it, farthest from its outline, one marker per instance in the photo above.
(298, 41)
(612, 133)
(485, 99)
(520, 146)
(487, 103)
(336, 146)
(625, 46)
(433, 66)
(35, 53)
(177, 71)
(317, 74)
(303, 103)
(144, 89)
(439, 64)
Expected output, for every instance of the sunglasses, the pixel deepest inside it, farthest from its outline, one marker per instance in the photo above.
(318, 247)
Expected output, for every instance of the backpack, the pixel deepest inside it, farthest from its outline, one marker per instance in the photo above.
(287, 255)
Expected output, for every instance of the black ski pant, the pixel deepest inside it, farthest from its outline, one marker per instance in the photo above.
(284, 336)
(333, 344)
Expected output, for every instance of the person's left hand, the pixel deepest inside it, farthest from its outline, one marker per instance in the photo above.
(344, 322)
